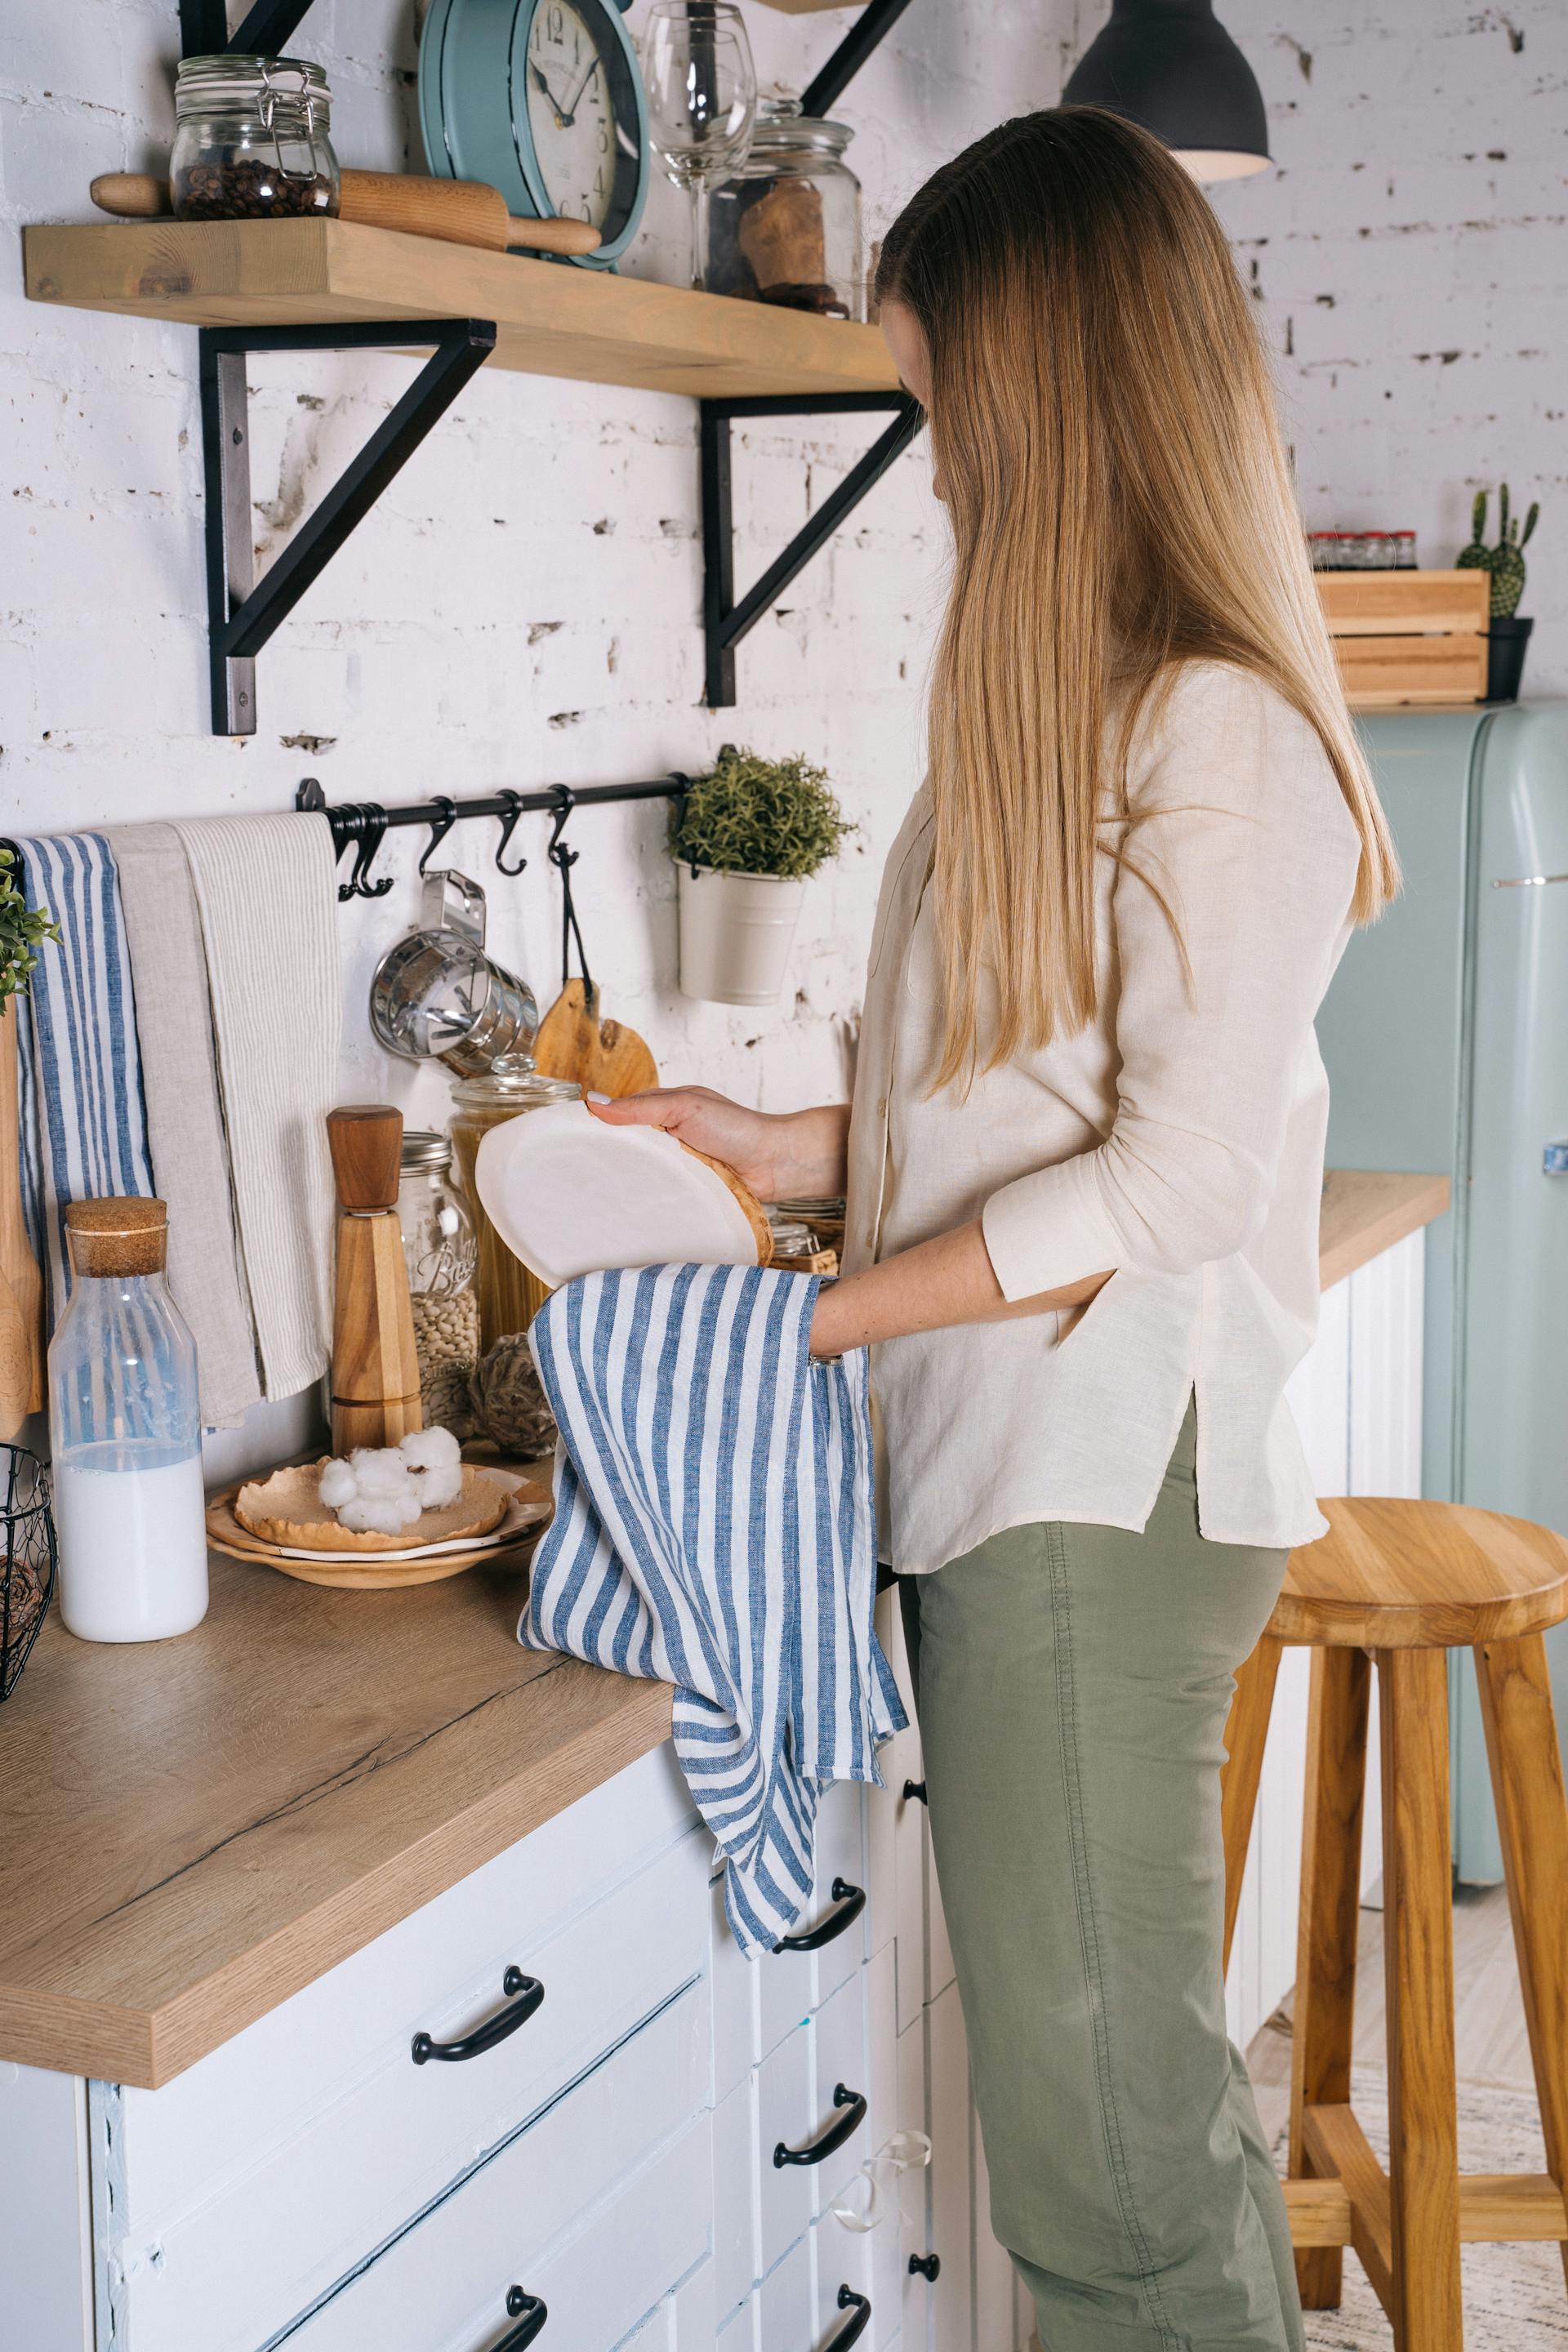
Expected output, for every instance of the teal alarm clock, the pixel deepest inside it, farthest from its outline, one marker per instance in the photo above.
(542, 100)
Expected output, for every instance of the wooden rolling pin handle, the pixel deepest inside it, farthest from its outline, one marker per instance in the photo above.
(366, 1144)
(133, 195)
(558, 235)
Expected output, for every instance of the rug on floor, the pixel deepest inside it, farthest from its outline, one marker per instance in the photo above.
(1515, 2296)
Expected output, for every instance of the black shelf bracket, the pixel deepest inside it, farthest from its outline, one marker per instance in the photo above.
(265, 30)
(243, 612)
(873, 23)
(725, 618)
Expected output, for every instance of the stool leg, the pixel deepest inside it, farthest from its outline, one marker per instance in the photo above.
(1324, 2020)
(1418, 1934)
(1246, 1736)
(1533, 1822)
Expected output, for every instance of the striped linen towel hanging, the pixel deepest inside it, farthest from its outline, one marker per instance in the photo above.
(714, 1528)
(82, 1124)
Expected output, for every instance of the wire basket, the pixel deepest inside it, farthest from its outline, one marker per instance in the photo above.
(28, 1560)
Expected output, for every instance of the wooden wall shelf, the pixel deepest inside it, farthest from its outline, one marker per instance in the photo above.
(550, 321)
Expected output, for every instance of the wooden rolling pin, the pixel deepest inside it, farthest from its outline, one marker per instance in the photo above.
(461, 212)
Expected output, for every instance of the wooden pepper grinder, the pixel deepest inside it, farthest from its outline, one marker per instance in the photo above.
(375, 1370)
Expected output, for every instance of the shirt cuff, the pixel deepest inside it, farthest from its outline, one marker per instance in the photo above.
(1049, 1229)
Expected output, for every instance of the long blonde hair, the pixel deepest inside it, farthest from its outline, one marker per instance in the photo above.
(1104, 431)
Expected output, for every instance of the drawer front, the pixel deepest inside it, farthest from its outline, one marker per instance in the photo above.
(357, 2173)
(757, 2003)
(444, 1962)
(537, 2217)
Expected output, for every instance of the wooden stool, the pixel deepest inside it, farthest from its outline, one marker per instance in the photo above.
(1399, 1584)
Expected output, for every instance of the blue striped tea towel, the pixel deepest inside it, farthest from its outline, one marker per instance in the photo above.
(714, 1528)
(83, 1126)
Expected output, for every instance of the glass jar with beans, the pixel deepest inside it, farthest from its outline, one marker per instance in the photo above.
(440, 1251)
(252, 140)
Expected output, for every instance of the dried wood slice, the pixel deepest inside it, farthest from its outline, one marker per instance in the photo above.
(603, 1057)
(287, 1508)
(569, 1195)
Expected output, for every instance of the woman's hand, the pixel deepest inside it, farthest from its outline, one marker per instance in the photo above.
(782, 1156)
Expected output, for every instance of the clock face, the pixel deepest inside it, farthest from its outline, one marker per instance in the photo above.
(583, 143)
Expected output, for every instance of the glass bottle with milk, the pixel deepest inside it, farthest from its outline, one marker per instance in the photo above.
(126, 1434)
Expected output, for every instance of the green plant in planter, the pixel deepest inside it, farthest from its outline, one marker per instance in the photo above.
(22, 930)
(752, 816)
(1505, 561)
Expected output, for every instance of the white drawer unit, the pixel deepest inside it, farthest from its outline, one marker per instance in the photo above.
(532, 2231)
(454, 2081)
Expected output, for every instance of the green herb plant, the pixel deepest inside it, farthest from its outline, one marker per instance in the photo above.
(1505, 561)
(752, 816)
(22, 930)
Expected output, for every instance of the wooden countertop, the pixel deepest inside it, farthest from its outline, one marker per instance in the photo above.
(191, 1831)
(1366, 1211)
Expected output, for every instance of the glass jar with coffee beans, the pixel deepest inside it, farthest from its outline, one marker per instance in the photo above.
(252, 140)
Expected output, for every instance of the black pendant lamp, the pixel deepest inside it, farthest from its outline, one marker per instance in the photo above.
(1171, 66)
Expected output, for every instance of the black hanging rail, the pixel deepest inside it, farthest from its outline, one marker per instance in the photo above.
(365, 823)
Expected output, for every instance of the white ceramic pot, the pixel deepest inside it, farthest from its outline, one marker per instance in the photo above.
(736, 932)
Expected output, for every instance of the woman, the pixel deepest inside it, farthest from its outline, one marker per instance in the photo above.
(1083, 1167)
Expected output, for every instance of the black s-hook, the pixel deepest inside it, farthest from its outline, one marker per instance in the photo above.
(563, 860)
(369, 824)
(508, 827)
(440, 827)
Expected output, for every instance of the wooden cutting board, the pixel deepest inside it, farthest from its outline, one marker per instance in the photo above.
(605, 1057)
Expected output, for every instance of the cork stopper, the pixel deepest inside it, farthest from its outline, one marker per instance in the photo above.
(118, 1236)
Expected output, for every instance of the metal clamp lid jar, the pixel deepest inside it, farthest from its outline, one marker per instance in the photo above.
(252, 140)
(786, 229)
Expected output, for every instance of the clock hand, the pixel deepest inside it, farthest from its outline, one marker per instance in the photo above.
(562, 120)
(577, 94)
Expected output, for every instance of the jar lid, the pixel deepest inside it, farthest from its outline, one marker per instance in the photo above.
(424, 1149)
(780, 126)
(118, 1236)
(212, 80)
(525, 1088)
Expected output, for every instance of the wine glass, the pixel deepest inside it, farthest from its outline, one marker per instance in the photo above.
(702, 101)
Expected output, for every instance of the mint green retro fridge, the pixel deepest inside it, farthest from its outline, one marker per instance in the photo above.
(1445, 1038)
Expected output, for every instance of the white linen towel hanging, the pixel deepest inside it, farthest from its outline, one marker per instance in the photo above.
(268, 897)
(714, 1528)
(184, 1118)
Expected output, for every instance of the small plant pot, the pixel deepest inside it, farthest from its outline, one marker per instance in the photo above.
(736, 932)
(1506, 648)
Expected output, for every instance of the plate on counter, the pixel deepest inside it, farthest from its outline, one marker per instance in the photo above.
(528, 1507)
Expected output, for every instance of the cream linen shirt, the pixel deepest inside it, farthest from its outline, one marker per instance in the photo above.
(1177, 1139)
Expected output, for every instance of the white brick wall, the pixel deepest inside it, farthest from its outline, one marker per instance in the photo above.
(522, 608)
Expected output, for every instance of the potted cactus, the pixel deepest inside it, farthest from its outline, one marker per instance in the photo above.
(1505, 561)
(747, 837)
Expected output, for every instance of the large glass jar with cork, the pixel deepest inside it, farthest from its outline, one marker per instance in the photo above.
(787, 229)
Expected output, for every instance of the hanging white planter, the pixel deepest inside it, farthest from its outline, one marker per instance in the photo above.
(736, 932)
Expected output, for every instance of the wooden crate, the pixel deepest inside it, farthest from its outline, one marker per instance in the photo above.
(1408, 636)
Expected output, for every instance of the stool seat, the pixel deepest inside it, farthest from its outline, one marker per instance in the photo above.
(1392, 1574)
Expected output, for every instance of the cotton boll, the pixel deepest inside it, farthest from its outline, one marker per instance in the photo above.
(431, 1449)
(380, 1470)
(371, 1515)
(340, 1484)
(439, 1486)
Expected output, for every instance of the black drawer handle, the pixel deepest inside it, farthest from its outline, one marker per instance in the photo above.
(852, 1902)
(525, 1993)
(916, 1789)
(853, 2330)
(925, 2266)
(846, 2127)
(529, 2312)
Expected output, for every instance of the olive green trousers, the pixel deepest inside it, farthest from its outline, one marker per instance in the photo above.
(1072, 1684)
